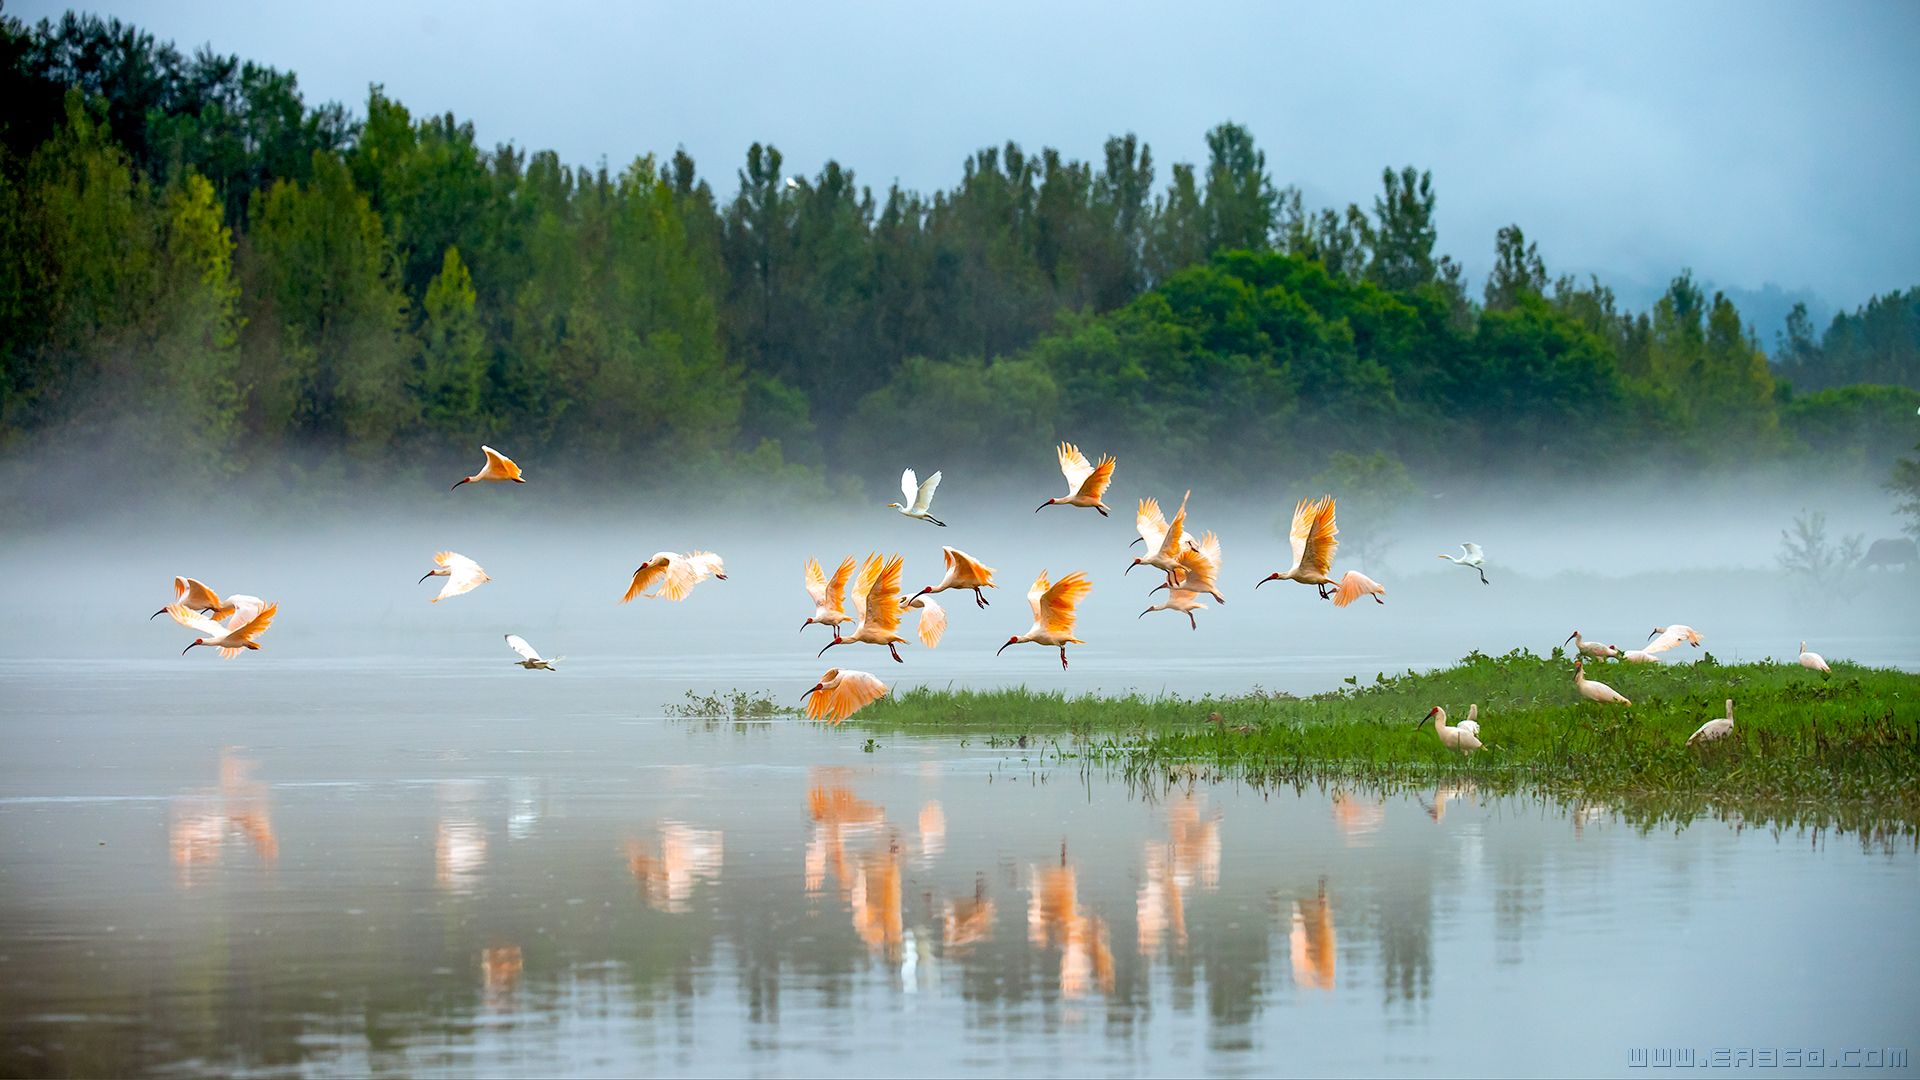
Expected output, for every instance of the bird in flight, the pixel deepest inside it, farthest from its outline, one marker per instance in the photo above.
(1053, 606)
(192, 593)
(1181, 600)
(828, 595)
(919, 497)
(876, 607)
(676, 574)
(463, 575)
(839, 694)
(963, 572)
(1313, 537)
(1470, 556)
(1165, 540)
(1086, 482)
(499, 468)
(1354, 585)
(530, 659)
(228, 639)
(1666, 637)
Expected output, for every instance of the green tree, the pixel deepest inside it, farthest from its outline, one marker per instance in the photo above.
(453, 359)
(1240, 200)
(1517, 270)
(1402, 234)
(195, 356)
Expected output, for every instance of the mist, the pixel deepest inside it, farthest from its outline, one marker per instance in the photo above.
(1613, 558)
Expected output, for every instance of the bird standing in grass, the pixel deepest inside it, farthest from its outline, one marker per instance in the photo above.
(463, 575)
(828, 596)
(839, 694)
(530, 659)
(963, 572)
(499, 468)
(1313, 537)
(1470, 556)
(1595, 691)
(1718, 728)
(1086, 482)
(1599, 650)
(1813, 660)
(919, 497)
(1453, 738)
(876, 607)
(1053, 613)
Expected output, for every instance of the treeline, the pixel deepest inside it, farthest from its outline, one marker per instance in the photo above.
(1877, 343)
(198, 266)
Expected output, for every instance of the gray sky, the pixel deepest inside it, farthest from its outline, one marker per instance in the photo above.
(1756, 142)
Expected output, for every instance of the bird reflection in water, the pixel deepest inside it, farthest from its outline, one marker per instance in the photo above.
(1310, 940)
(933, 832)
(1357, 816)
(499, 975)
(1055, 918)
(875, 897)
(969, 920)
(838, 815)
(1445, 793)
(1189, 856)
(687, 856)
(460, 841)
(205, 823)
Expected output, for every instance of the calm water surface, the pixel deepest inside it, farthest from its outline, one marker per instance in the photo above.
(352, 867)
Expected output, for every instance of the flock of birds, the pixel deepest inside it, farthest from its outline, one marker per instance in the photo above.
(1190, 568)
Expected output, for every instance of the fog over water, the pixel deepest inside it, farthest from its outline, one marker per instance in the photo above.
(1612, 558)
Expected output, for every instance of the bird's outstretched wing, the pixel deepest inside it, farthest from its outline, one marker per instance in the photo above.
(1201, 565)
(195, 594)
(1095, 485)
(519, 644)
(1473, 551)
(909, 488)
(969, 568)
(463, 575)
(1313, 535)
(706, 564)
(259, 623)
(195, 621)
(244, 608)
(862, 585)
(682, 575)
(855, 690)
(1150, 523)
(883, 597)
(933, 621)
(924, 497)
(643, 579)
(1170, 544)
(1671, 636)
(1039, 589)
(816, 583)
(1354, 585)
(1074, 466)
(501, 463)
(837, 587)
(1057, 604)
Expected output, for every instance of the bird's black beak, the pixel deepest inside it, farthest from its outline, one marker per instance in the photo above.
(1001, 649)
(462, 480)
(183, 652)
(810, 693)
(156, 614)
(1144, 614)
(1043, 506)
(1269, 577)
(1156, 588)
(1571, 636)
(828, 645)
(424, 576)
(1130, 567)
(1652, 632)
(1133, 541)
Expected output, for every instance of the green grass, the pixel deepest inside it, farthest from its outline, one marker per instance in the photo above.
(1841, 752)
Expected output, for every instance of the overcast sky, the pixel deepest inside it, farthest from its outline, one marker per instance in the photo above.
(1759, 143)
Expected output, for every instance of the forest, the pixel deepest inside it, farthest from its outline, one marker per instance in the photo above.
(214, 278)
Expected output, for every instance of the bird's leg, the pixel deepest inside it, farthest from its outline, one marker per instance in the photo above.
(1377, 600)
(936, 521)
(1103, 513)
(1191, 622)
(1483, 577)
(895, 652)
(1063, 658)
(979, 598)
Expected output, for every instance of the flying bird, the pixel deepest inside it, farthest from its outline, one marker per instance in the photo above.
(1313, 538)
(1053, 613)
(963, 572)
(228, 639)
(528, 658)
(839, 694)
(1666, 637)
(1354, 585)
(1164, 539)
(828, 595)
(1599, 650)
(1181, 600)
(1717, 728)
(933, 619)
(1453, 738)
(676, 574)
(1470, 556)
(876, 607)
(499, 467)
(1595, 691)
(1199, 569)
(192, 593)
(1813, 660)
(919, 497)
(1086, 482)
(462, 574)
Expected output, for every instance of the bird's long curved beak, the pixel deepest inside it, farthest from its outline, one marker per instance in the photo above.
(1144, 614)
(156, 614)
(424, 576)
(1156, 588)
(1652, 632)
(1001, 649)
(804, 625)
(1422, 720)
(183, 652)
(815, 690)
(1043, 506)
(462, 480)
(828, 645)
(1571, 636)
(1130, 567)
(1269, 577)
